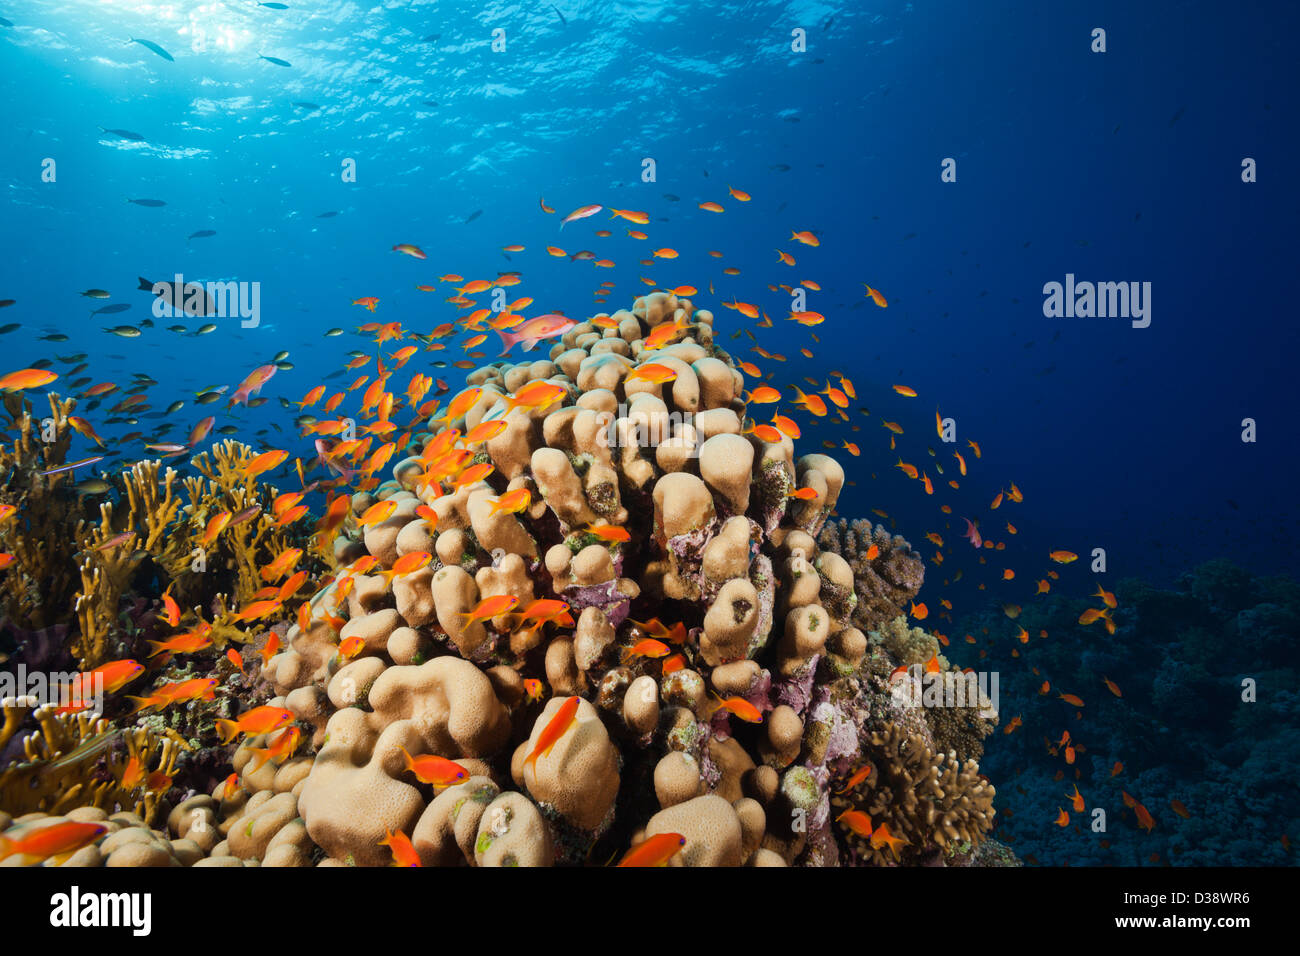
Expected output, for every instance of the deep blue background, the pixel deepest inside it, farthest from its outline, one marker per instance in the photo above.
(1116, 166)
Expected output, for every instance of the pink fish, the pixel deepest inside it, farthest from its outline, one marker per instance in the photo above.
(582, 212)
(534, 330)
(252, 385)
(201, 431)
(972, 534)
(323, 456)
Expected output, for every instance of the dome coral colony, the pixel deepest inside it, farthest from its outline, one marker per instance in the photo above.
(624, 628)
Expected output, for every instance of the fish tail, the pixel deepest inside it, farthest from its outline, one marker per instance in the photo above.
(158, 648)
(507, 341)
(145, 284)
(228, 730)
(140, 703)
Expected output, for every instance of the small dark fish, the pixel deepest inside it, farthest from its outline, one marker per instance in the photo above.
(827, 25)
(125, 331)
(275, 6)
(560, 15)
(432, 38)
(95, 294)
(303, 105)
(55, 337)
(42, 363)
(1177, 116)
(5, 23)
(429, 102)
(150, 45)
(274, 59)
(113, 309)
(780, 167)
(5, 303)
(328, 215)
(12, 326)
(202, 234)
(191, 298)
(474, 215)
(151, 203)
(125, 134)
(671, 198)
(93, 486)
(1235, 506)
(227, 430)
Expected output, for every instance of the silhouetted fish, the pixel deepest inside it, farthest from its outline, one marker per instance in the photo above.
(303, 105)
(274, 59)
(152, 203)
(150, 45)
(560, 15)
(190, 298)
(125, 134)
(202, 234)
(328, 215)
(112, 309)
(474, 215)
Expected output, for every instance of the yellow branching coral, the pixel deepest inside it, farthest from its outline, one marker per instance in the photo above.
(48, 525)
(60, 768)
(927, 801)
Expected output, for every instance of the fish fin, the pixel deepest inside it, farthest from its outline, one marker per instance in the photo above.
(507, 341)
(530, 344)
(228, 730)
(145, 284)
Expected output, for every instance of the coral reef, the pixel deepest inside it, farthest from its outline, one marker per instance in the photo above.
(649, 640)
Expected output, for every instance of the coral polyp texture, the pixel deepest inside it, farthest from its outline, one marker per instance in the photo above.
(604, 618)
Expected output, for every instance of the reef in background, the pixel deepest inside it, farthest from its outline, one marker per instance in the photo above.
(734, 680)
(1186, 658)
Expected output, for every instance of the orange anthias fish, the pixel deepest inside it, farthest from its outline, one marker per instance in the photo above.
(882, 837)
(43, 842)
(740, 708)
(404, 854)
(857, 822)
(554, 730)
(259, 720)
(861, 774)
(512, 502)
(27, 378)
(281, 748)
(435, 770)
(654, 851)
(608, 532)
(491, 607)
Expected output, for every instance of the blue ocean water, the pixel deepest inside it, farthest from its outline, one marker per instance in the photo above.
(1117, 166)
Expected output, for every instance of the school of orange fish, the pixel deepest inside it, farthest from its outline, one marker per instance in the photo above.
(351, 448)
